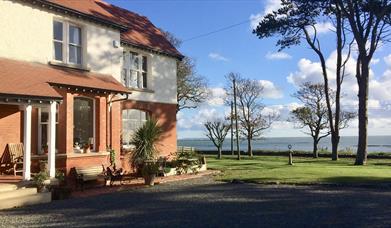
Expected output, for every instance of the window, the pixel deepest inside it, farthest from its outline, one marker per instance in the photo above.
(43, 130)
(83, 122)
(67, 40)
(132, 119)
(135, 71)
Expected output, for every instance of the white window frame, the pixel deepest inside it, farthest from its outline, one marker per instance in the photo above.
(66, 43)
(40, 123)
(126, 72)
(147, 116)
(93, 121)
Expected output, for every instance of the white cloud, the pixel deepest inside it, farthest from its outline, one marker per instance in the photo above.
(217, 96)
(321, 28)
(270, 90)
(387, 60)
(278, 55)
(270, 6)
(379, 87)
(218, 57)
(375, 61)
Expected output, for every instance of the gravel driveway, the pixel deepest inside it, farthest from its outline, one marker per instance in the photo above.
(203, 202)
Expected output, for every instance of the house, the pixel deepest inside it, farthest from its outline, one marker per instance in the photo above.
(81, 73)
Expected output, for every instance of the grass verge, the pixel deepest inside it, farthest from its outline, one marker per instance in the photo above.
(275, 169)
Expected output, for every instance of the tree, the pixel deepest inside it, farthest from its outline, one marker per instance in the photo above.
(217, 130)
(296, 21)
(369, 22)
(191, 87)
(231, 91)
(314, 113)
(253, 123)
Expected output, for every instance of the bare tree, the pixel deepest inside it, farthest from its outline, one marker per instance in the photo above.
(191, 87)
(253, 122)
(217, 130)
(314, 113)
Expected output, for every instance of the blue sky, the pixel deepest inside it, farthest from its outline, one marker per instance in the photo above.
(238, 50)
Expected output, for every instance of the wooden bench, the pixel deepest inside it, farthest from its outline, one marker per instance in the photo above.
(88, 174)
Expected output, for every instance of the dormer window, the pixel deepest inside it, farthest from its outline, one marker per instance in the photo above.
(67, 40)
(135, 70)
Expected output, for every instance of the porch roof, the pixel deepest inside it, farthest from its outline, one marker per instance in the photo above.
(20, 78)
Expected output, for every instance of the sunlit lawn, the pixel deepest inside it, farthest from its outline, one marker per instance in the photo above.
(275, 169)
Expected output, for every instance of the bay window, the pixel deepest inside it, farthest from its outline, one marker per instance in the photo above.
(83, 122)
(132, 119)
(67, 41)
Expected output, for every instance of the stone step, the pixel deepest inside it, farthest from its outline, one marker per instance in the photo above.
(17, 193)
(7, 187)
(21, 201)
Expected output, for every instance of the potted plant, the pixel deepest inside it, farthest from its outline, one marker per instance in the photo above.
(60, 191)
(45, 148)
(149, 171)
(76, 148)
(86, 148)
(144, 153)
(39, 180)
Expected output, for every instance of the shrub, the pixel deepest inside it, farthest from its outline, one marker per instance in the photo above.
(144, 142)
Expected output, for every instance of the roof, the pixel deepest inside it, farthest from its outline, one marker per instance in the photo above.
(21, 78)
(140, 33)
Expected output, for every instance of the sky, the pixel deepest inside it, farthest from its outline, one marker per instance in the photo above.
(238, 50)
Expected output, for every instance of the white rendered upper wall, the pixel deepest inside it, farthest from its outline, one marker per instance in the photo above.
(27, 35)
(161, 77)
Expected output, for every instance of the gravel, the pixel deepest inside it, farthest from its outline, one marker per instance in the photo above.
(203, 202)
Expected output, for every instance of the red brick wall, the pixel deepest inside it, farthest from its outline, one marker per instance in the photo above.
(166, 116)
(11, 130)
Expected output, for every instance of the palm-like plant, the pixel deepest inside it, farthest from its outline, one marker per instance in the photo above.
(144, 141)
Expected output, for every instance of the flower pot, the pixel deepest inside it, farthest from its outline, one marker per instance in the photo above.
(61, 193)
(149, 179)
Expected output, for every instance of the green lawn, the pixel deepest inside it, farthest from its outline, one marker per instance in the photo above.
(274, 169)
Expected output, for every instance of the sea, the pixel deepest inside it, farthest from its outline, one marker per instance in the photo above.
(347, 144)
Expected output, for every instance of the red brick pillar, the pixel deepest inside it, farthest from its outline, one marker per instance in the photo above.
(116, 122)
(101, 128)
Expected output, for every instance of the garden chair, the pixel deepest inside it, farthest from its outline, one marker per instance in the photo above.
(16, 152)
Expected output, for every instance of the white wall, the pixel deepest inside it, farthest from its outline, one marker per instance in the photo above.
(27, 34)
(161, 79)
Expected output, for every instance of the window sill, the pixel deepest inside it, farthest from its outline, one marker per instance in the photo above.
(141, 90)
(45, 156)
(90, 154)
(70, 66)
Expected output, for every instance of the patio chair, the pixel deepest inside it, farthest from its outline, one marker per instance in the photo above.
(16, 157)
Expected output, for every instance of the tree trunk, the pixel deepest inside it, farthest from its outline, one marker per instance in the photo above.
(236, 121)
(315, 149)
(339, 76)
(334, 144)
(219, 152)
(232, 128)
(361, 157)
(249, 147)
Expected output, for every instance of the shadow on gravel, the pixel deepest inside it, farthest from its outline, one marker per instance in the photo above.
(195, 204)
